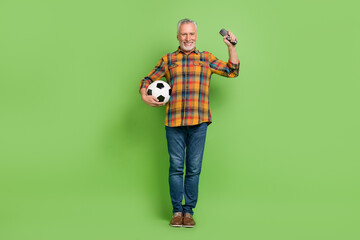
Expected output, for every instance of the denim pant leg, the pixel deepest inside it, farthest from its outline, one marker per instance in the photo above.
(176, 140)
(194, 154)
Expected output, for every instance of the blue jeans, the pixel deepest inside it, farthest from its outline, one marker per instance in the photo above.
(191, 138)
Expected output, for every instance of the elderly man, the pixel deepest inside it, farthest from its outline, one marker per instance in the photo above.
(188, 72)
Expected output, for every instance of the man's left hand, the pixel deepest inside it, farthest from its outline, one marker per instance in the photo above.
(232, 38)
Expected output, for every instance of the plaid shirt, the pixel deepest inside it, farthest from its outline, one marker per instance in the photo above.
(189, 78)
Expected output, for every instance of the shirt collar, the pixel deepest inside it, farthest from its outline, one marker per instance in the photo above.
(194, 50)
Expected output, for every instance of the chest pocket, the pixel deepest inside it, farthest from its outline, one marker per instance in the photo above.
(175, 70)
(199, 64)
(201, 70)
(174, 65)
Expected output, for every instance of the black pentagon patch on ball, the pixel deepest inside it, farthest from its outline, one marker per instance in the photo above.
(161, 98)
(170, 91)
(149, 92)
(160, 85)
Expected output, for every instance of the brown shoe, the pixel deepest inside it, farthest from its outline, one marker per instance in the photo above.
(188, 220)
(177, 219)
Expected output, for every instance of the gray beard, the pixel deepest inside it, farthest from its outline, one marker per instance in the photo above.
(187, 48)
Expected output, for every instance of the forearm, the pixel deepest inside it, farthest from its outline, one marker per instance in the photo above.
(233, 57)
(143, 91)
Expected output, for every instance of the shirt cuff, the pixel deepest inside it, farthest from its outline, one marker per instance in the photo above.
(145, 82)
(233, 65)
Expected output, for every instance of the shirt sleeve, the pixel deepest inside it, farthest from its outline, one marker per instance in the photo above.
(226, 69)
(157, 73)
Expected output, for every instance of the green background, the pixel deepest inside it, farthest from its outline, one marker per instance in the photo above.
(82, 157)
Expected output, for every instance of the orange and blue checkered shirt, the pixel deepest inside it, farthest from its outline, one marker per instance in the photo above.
(189, 78)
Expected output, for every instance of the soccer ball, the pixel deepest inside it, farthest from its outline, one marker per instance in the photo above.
(159, 89)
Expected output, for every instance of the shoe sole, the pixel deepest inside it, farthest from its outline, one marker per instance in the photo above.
(176, 225)
(191, 226)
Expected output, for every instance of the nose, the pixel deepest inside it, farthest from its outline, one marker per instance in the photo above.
(187, 37)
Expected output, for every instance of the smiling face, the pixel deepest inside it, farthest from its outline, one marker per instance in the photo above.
(187, 37)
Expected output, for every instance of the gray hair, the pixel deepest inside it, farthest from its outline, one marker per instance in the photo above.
(186, 20)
